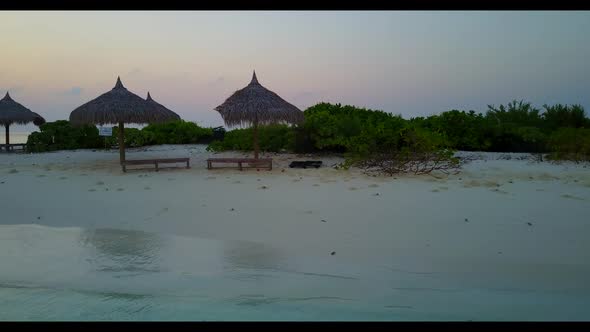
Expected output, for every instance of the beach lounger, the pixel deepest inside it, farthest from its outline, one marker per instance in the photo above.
(250, 162)
(155, 162)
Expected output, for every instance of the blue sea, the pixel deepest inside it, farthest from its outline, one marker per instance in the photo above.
(74, 274)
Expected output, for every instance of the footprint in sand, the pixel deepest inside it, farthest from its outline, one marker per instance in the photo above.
(498, 191)
(263, 187)
(120, 189)
(12, 171)
(92, 189)
(158, 214)
(572, 197)
(316, 185)
(373, 185)
(147, 188)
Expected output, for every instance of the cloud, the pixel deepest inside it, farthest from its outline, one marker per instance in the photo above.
(74, 91)
(135, 72)
(218, 81)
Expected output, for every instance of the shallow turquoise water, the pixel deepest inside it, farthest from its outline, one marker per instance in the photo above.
(107, 274)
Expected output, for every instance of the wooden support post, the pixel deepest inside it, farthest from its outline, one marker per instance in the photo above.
(121, 142)
(256, 139)
(7, 137)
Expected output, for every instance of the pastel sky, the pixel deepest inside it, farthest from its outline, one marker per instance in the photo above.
(409, 63)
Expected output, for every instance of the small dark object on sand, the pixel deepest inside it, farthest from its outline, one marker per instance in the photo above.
(323, 220)
(333, 253)
(232, 209)
(499, 252)
(38, 218)
(460, 179)
(466, 220)
(306, 164)
(283, 170)
(2, 182)
(530, 224)
(376, 194)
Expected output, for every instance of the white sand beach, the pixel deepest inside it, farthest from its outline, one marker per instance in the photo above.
(506, 238)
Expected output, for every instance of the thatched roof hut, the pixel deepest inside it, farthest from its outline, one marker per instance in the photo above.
(119, 106)
(256, 105)
(161, 108)
(13, 112)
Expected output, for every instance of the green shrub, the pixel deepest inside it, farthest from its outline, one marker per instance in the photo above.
(570, 144)
(176, 132)
(271, 138)
(60, 135)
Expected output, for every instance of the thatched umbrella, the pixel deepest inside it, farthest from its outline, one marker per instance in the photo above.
(119, 106)
(256, 105)
(162, 108)
(13, 112)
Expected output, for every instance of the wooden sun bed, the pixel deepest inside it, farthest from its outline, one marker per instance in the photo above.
(251, 162)
(155, 162)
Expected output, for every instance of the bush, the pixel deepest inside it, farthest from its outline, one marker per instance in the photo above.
(60, 135)
(417, 151)
(271, 138)
(570, 144)
(464, 130)
(176, 132)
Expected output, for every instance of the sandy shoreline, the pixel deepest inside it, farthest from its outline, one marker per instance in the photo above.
(499, 223)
